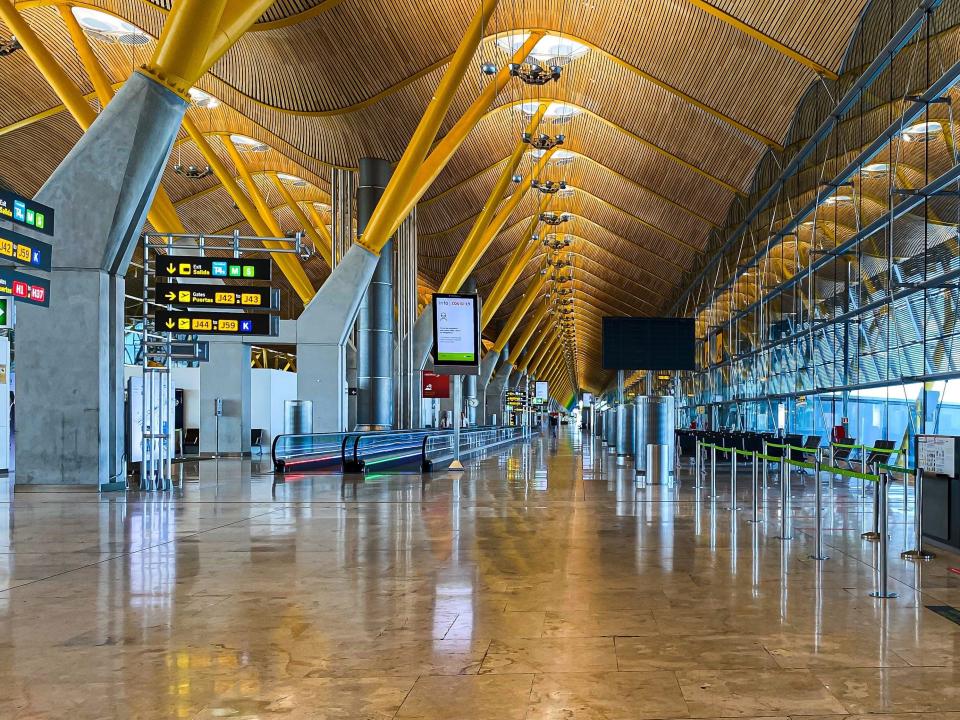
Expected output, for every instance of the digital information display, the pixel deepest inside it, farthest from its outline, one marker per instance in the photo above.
(25, 288)
(25, 251)
(235, 296)
(22, 211)
(213, 323)
(204, 267)
(543, 391)
(456, 334)
(515, 399)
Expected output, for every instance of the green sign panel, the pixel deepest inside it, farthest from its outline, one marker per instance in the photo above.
(228, 296)
(6, 312)
(22, 211)
(217, 323)
(20, 249)
(205, 267)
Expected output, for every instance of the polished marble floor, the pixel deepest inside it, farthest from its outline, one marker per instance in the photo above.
(541, 583)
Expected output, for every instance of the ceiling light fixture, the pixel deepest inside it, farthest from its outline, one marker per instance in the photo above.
(193, 172)
(549, 187)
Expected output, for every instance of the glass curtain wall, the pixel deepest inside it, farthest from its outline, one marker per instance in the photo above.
(837, 303)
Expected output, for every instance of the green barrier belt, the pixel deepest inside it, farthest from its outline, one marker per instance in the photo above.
(897, 469)
(774, 445)
(745, 453)
(799, 464)
(768, 457)
(849, 473)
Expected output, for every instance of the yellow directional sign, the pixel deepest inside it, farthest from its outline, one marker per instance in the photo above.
(224, 296)
(217, 323)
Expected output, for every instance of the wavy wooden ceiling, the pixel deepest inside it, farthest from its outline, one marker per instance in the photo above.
(677, 101)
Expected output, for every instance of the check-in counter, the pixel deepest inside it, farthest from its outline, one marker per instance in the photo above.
(938, 455)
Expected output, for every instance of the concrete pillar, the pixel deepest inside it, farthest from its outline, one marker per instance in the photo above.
(495, 391)
(375, 320)
(70, 428)
(226, 376)
(487, 364)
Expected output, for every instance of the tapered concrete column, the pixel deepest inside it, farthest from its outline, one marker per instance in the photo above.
(375, 320)
(70, 428)
(487, 364)
(496, 390)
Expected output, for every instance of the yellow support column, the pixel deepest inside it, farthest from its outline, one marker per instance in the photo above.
(238, 17)
(533, 290)
(287, 263)
(322, 245)
(445, 149)
(527, 333)
(470, 252)
(187, 33)
(322, 229)
(538, 340)
(532, 364)
(388, 212)
(522, 254)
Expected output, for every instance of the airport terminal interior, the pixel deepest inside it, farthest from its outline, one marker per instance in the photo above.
(480, 359)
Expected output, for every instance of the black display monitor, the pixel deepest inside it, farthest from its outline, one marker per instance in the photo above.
(643, 343)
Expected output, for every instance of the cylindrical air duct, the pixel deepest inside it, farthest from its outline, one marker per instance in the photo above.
(654, 424)
(375, 320)
(297, 417)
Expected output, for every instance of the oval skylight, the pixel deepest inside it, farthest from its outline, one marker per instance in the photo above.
(836, 199)
(559, 157)
(109, 28)
(876, 168)
(550, 50)
(292, 180)
(201, 99)
(321, 207)
(557, 112)
(920, 131)
(248, 144)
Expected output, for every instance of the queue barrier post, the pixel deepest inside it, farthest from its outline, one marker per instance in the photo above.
(755, 477)
(713, 472)
(863, 469)
(733, 480)
(785, 533)
(765, 455)
(874, 534)
(818, 552)
(882, 592)
(918, 553)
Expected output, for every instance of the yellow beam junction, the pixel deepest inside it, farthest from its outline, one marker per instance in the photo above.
(470, 252)
(527, 333)
(546, 334)
(187, 33)
(388, 211)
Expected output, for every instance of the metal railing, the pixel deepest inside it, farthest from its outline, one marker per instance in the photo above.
(397, 450)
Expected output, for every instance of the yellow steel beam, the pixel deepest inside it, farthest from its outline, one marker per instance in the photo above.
(161, 214)
(238, 17)
(323, 245)
(470, 252)
(533, 291)
(321, 227)
(458, 272)
(532, 363)
(534, 346)
(444, 150)
(187, 33)
(522, 254)
(290, 266)
(389, 208)
(531, 327)
(760, 36)
(98, 79)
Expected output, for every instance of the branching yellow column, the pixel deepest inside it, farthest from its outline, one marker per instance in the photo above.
(321, 227)
(288, 264)
(161, 215)
(527, 333)
(533, 290)
(522, 254)
(538, 340)
(471, 252)
(322, 245)
(545, 350)
(451, 142)
(388, 212)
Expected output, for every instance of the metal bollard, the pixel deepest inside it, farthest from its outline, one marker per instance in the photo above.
(765, 483)
(713, 471)
(918, 553)
(874, 535)
(818, 553)
(863, 469)
(785, 531)
(755, 476)
(697, 466)
(733, 480)
(882, 590)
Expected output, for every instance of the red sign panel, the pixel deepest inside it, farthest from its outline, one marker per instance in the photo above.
(435, 386)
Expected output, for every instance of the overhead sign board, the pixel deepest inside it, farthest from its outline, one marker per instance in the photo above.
(231, 296)
(205, 267)
(23, 250)
(214, 323)
(198, 351)
(516, 399)
(24, 288)
(26, 212)
(456, 334)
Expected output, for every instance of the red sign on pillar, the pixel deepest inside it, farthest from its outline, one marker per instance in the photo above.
(435, 386)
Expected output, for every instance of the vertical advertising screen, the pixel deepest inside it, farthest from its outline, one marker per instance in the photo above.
(543, 391)
(456, 333)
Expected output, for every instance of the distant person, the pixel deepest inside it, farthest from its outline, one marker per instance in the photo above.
(554, 424)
